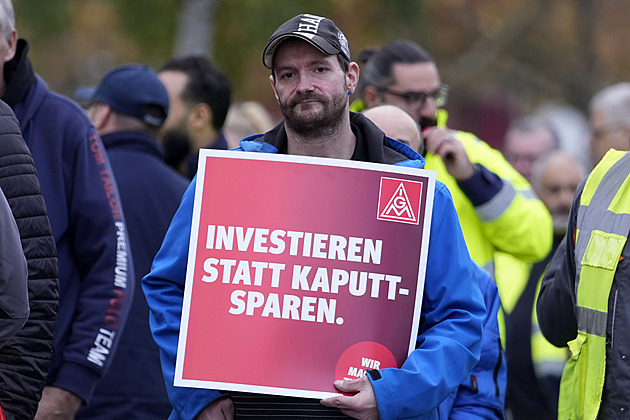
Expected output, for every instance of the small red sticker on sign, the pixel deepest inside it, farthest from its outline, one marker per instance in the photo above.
(361, 357)
(399, 200)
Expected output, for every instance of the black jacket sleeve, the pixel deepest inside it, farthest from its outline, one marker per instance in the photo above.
(556, 299)
(25, 358)
(13, 274)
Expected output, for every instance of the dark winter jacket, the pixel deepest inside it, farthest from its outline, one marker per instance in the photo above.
(14, 308)
(150, 191)
(95, 269)
(25, 358)
(557, 308)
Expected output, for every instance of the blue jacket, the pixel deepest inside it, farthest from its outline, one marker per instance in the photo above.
(150, 191)
(448, 343)
(482, 394)
(95, 272)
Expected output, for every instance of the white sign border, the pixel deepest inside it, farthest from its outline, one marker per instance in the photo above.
(231, 154)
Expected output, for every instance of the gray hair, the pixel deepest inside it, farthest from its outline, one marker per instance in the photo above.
(7, 18)
(533, 123)
(542, 163)
(614, 100)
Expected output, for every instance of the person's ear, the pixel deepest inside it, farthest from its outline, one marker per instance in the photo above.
(273, 87)
(352, 77)
(99, 114)
(11, 46)
(200, 116)
(371, 96)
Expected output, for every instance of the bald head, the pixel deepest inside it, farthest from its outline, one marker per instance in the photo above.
(526, 140)
(555, 177)
(396, 123)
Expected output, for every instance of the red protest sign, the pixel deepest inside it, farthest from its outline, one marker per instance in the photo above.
(301, 271)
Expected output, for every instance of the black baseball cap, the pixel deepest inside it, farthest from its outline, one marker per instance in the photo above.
(317, 30)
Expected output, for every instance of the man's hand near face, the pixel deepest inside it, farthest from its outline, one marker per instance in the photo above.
(440, 142)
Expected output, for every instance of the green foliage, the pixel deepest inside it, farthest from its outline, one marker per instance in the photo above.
(243, 28)
(43, 18)
(535, 50)
(150, 24)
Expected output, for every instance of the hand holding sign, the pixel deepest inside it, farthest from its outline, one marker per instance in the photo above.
(221, 409)
(361, 404)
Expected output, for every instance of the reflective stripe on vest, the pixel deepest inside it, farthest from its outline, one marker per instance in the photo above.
(602, 229)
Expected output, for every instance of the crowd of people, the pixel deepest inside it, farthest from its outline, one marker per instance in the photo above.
(523, 308)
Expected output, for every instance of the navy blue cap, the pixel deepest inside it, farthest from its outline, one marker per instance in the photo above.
(132, 89)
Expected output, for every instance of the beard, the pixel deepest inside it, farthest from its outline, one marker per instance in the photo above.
(176, 144)
(560, 218)
(560, 224)
(305, 120)
(427, 122)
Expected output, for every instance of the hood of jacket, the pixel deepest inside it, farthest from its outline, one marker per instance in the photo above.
(18, 75)
(372, 144)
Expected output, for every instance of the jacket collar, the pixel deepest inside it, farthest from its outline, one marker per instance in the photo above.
(372, 144)
(133, 140)
(18, 75)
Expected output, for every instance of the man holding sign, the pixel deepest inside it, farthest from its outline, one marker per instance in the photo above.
(312, 78)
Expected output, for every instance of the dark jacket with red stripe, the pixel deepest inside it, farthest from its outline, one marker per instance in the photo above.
(150, 191)
(95, 271)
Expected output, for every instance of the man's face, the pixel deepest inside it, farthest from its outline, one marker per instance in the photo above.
(174, 135)
(607, 134)
(310, 87)
(418, 77)
(522, 148)
(557, 186)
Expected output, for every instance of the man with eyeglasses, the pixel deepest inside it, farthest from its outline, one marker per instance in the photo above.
(505, 225)
(497, 208)
(609, 115)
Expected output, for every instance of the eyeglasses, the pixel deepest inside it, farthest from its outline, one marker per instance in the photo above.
(606, 129)
(416, 100)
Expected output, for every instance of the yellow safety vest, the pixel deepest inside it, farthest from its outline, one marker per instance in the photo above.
(602, 226)
(547, 359)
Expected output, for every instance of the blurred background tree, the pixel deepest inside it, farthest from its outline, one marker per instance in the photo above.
(502, 59)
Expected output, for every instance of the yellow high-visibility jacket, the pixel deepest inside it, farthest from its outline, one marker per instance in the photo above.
(508, 232)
